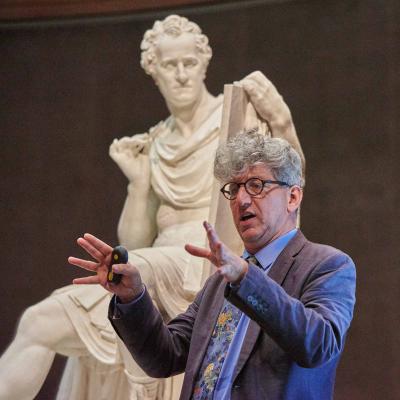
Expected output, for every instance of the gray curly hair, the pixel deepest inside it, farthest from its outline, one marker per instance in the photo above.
(174, 26)
(250, 147)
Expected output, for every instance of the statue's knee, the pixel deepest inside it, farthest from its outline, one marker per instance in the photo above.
(30, 319)
(41, 323)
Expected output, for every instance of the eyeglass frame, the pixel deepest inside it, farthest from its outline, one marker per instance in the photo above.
(263, 181)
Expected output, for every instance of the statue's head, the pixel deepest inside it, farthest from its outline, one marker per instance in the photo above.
(176, 54)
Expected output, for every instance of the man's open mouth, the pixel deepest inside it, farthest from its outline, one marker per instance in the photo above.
(247, 216)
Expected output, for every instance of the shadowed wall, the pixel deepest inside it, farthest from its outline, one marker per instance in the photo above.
(68, 87)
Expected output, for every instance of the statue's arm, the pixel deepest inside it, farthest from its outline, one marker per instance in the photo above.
(26, 362)
(137, 225)
(271, 107)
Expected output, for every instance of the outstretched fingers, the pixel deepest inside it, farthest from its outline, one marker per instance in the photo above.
(198, 251)
(87, 280)
(94, 247)
(85, 264)
(212, 236)
(218, 253)
(103, 247)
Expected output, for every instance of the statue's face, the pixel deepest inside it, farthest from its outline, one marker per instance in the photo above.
(179, 71)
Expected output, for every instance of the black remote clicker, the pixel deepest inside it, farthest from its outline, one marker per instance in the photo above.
(119, 256)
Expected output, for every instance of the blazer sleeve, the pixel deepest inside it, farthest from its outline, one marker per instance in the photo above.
(160, 349)
(312, 327)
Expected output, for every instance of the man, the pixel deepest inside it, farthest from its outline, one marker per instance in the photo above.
(268, 325)
(169, 170)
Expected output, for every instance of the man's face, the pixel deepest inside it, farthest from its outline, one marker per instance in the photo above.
(179, 70)
(261, 219)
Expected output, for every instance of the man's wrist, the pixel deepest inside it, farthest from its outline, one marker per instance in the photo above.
(245, 268)
(132, 296)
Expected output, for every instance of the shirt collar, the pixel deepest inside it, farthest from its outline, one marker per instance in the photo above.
(268, 254)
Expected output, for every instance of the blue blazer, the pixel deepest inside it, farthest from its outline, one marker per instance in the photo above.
(300, 314)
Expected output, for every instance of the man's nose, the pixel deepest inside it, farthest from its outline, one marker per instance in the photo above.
(181, 74)
(243, 198)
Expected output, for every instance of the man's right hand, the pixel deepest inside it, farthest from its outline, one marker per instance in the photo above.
(131, 285)
(131, 155)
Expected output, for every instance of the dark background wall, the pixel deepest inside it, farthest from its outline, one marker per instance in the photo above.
(68, 87)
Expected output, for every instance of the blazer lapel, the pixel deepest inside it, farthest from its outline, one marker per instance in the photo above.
(286, 258)
(207, 327)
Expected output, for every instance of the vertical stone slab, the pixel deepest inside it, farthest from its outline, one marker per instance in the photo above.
(233, 120)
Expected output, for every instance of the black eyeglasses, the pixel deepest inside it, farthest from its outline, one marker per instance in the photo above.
(253, 186)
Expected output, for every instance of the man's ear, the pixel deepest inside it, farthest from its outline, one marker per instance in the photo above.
(295, 197)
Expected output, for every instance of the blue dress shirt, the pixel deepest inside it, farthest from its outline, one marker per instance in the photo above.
(266, 256)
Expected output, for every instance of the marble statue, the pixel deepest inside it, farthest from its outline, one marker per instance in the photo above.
(169, 170)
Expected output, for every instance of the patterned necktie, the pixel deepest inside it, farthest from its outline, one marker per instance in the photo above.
(253, 260)
(217, 349)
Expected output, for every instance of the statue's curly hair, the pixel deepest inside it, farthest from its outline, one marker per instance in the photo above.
(174, 26)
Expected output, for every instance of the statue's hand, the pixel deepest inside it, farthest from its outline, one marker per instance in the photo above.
(131, 283)
(131, 155)
(266, 99)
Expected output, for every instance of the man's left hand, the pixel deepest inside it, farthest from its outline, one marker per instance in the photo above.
(232, 267)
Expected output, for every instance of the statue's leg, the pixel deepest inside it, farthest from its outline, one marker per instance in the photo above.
(162, 270)
(141, 386)
(167, 268)
(26, 362)
(148, 275)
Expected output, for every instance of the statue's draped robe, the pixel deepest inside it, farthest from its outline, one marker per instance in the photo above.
(182, 178)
